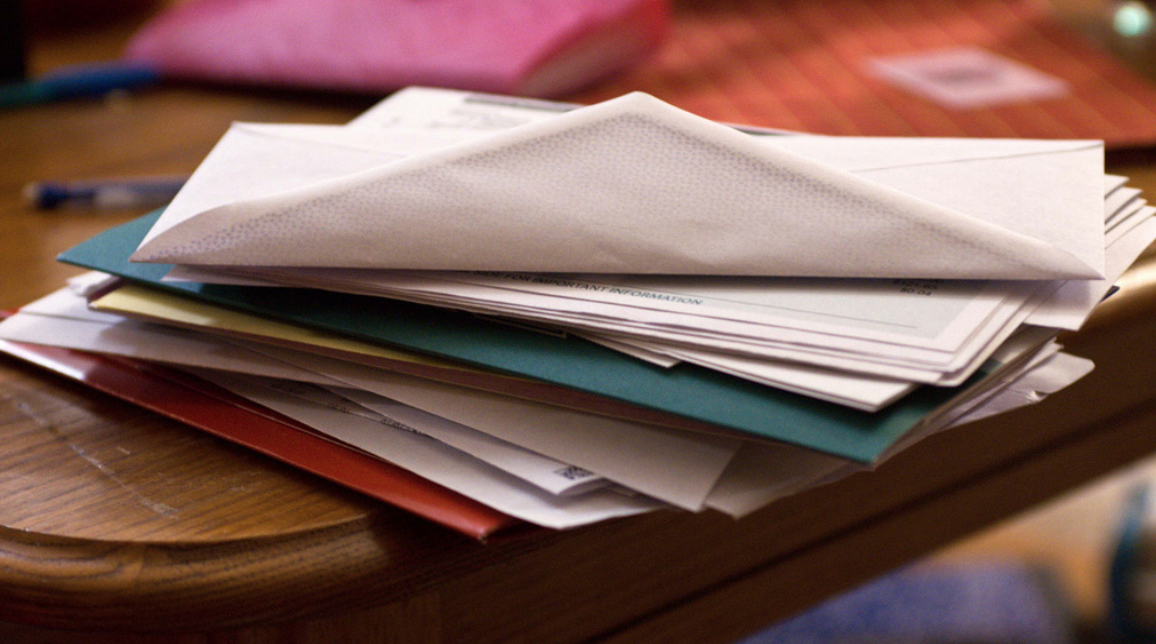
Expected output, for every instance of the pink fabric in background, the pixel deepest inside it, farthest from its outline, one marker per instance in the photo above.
(381, 45)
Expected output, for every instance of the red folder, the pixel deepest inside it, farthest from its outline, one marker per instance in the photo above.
(200, 404)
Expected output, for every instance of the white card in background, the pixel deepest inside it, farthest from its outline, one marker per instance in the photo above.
(967, 77)
(444, 465)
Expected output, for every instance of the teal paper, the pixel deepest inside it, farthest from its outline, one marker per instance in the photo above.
(685, 389)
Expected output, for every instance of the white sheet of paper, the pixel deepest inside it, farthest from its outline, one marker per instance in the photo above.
(446, 466)
(1071, 305)
(762, 473)
(677, 194)
(548, 474)
(673, 466)
(931, 314)
(1058, 372)
(56, 321)
(1029, 349)
(1121, 218)
(928, 326)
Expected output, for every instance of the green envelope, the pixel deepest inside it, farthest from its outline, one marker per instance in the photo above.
(733, 404)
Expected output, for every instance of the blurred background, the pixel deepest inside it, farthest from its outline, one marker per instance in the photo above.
(1055, 565)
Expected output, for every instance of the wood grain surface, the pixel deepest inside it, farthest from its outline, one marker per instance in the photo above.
(120, 526)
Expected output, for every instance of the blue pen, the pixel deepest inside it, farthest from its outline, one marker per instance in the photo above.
(76, 82)
(141, 192)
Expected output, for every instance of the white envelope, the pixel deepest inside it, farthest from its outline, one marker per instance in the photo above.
(634, 185)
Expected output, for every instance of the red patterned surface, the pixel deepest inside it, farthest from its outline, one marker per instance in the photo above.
(800, 65)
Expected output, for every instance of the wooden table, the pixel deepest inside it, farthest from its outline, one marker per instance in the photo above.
(126, 527)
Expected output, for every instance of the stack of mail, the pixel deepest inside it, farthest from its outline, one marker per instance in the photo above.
(575, 314)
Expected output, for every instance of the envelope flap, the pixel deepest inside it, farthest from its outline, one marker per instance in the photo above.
(864, 153)
(260, 160)
(627, 186)
(1052, 191)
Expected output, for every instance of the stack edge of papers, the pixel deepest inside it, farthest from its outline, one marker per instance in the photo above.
(502, 310)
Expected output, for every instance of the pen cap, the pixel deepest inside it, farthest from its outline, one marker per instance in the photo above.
(139, 192)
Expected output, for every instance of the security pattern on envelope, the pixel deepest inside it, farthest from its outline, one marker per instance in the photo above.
(635, 186)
